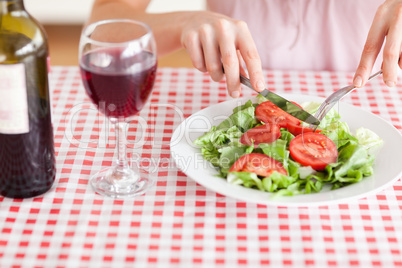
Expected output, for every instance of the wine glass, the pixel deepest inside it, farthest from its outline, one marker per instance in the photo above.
(118, 62)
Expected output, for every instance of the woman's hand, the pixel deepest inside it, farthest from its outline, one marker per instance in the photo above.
(387, 25)
(214, 40)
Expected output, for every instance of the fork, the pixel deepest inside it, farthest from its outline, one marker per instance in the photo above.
(329, 102)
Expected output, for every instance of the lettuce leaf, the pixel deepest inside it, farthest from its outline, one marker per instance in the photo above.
(243, 119)
(369, 140)
(353, 164)
(247, 179)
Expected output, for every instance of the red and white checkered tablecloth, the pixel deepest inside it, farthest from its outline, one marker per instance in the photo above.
(179, 223)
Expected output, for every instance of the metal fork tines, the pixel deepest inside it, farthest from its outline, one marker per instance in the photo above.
(329, 102)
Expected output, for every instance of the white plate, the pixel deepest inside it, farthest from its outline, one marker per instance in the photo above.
(188, 158)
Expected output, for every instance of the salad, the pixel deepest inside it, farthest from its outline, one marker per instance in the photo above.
(259, 146)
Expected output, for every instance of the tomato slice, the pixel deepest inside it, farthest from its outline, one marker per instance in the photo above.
(298, 129)
(268, 112)
(261, 164)
(314, 150)
(262, 134)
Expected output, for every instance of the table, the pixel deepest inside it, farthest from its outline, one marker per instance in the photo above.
(179, 223)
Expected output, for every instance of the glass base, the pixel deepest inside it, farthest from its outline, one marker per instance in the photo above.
(120, 184)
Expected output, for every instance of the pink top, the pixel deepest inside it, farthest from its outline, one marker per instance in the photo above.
(305, 34)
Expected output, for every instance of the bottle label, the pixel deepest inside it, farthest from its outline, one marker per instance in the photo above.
(13, 99)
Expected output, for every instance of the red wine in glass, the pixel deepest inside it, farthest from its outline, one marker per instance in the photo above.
(118, 93)
(118, 67)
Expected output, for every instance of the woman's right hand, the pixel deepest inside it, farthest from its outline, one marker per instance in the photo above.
(214, 41)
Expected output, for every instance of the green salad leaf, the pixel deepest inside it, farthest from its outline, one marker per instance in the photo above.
(243, 117)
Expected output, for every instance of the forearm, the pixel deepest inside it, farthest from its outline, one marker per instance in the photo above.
(167, 27)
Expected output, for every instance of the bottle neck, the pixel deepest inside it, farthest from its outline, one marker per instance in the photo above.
(7, 6)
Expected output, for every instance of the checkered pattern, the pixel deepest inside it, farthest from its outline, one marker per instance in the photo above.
(179, 223)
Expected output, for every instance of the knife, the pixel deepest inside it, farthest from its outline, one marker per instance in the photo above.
(283, 104)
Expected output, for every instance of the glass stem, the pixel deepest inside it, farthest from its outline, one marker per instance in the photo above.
(121, 176)
(122, 163)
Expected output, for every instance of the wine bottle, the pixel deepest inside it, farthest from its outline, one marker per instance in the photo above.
(27, 159)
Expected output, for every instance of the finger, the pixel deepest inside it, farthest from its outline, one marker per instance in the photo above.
(392, 50)
(211, 53)
(232, 70)
(192, 44)
(243, 71)
(372, 47)
(229, 57)
(249, 53)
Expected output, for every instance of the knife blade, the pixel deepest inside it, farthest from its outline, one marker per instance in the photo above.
(283, 104)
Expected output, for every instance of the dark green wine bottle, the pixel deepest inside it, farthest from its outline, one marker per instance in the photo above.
(27, 159)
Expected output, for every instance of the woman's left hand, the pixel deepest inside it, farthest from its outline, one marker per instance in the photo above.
(386, 26)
